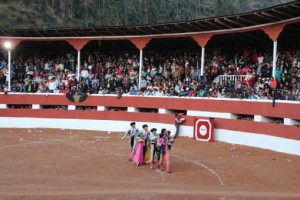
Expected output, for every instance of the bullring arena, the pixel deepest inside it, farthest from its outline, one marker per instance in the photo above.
(68, 164)
(58, 146)
(64, 163)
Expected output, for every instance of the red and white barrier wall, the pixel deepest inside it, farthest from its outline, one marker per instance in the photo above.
(263, 131)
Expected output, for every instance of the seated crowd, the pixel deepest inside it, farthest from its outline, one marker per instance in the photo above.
(163, 74)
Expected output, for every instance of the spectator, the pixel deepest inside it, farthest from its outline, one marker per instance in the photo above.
(143, 83)
(52, 85)
(260, 59)
(278, 73)
(268, 71)
(178, 121)
(290, 96)
(272, 83)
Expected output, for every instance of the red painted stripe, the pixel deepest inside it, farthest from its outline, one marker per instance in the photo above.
(271, 129)
(281, 110)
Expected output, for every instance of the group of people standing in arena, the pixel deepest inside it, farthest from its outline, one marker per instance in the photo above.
(149, 147)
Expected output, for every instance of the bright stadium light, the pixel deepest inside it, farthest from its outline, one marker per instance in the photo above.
(7, 45)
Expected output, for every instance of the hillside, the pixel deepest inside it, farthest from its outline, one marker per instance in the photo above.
(17, 14)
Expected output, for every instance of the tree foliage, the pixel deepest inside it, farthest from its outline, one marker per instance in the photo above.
(83, 13)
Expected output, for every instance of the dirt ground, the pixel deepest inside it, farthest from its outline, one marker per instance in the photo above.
(71, 164)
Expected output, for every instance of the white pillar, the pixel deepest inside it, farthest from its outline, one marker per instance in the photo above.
(162, 111)
(3, 106)
(141, 65)
(9, 71)
(202, 61)
(291, 122)
(78, 65)
(36, 106)
(101, 108)
(132, 109)
(274, 58)
(71, 107)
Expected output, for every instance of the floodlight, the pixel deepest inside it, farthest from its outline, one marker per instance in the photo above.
(7, 45)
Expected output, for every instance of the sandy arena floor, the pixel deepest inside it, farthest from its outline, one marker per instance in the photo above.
(68, 164)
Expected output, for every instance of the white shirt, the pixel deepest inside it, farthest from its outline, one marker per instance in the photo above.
(46, 66)
(61, 66)
(152, 138)
(260, 59)
(132, 132)
(52, 85)
(84, 73)
(143, 83)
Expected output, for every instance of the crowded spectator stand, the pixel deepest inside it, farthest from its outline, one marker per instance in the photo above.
(163, 75)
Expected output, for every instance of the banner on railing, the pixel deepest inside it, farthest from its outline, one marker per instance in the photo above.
(204, 129)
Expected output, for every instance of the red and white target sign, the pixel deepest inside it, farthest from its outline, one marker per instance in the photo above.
(204, 130)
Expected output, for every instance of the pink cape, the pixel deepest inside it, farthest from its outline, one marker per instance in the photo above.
(138, 157)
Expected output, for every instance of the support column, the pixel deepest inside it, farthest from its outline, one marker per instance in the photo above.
(101, 108)
(274, 58)
(78, 65)
(3, 106)
(140, 43)
(9, 70)
(141, 66)
(202, 61)
(202, 40)
(71, 107)
(78, 44)
(273, 31)
(36, 106)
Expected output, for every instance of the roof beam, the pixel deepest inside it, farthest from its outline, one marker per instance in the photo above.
(72, 31)
(223, 24)
(166, 27)
(140, 29)
(182, 28)
(108, 30)
(59, 33)
(130, 29)
(46, 34)
(263, 16)
(37, 32)
(213, 25)
(191, 25)
(282, 13)
(203, 26)
(291, 9)
(234, 22)
(268, 14)
(246, 20)
(156, 29)
(94, 31)
(118, 29)
(295, 6)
